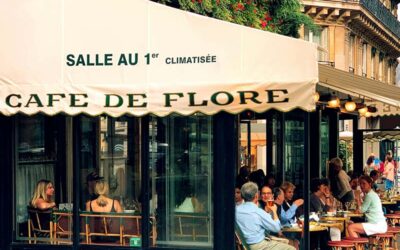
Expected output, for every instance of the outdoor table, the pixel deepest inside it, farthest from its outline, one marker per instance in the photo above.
(343, 220)
(316, 229)
(330, 224)
(355, 215)
(313, 228)
(389, 202)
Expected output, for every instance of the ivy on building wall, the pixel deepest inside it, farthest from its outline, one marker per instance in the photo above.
(279, 16)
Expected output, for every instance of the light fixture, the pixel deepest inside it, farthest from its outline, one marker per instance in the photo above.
(316, 97)
(334, 103)
(363, 110)
(372, 109)
(350, 105)
(367, 114)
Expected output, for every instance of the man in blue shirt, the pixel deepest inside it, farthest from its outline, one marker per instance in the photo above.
(254, 222)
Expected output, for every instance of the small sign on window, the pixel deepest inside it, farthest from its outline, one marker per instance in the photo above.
(135, 242)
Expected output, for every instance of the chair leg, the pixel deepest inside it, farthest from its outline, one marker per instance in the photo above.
(29, 231)
(87, 233)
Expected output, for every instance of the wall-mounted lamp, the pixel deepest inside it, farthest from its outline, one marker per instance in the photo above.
(350, 105)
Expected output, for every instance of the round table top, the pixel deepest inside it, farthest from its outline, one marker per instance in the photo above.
(331, 224)
(313, 228)
(359, 215)
(335, 218)
(395, 198)
(389, 202)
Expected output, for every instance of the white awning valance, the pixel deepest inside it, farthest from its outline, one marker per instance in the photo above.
(139, 57)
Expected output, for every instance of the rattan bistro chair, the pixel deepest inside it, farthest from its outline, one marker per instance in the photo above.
(191, 226)
(132, 228)
(40, 225)
(102, 227)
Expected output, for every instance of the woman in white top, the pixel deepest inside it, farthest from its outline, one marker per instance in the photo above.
(372, 207)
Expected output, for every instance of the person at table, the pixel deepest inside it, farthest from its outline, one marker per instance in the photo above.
(388, 173)
(372, 207)
(319, 203)
(254, 223)
(103, 203)
(238, 196)
(279, 199)
(43, 195)
(270, 181)
(89, 193)
(375, 176)
(289, 208)
(340, 181)
(266, 197)
(369, 164)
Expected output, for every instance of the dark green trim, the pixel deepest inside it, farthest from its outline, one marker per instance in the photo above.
(225, 136)
(145, 181)
(77, 145)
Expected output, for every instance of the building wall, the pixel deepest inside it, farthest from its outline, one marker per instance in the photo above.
(349, 26)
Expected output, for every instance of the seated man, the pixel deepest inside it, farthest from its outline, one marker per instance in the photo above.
(255, 222)
(375, 176)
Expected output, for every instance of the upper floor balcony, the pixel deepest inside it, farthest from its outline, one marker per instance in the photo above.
(370, 18)
(382, 14)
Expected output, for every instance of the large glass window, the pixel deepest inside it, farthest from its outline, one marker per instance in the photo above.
(294, 150)
(364, 59)
(320, 38)
(352, 51)
(181, 176)
(277, 148)
(110, 181)
(42, 179)
(324, 129)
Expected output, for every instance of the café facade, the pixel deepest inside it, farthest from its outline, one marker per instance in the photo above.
(149, 98)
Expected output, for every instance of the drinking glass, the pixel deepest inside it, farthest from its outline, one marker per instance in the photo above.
(270, 203)
(347, 205)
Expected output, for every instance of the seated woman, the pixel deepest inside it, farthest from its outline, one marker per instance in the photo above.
(372, 207)
(103, 203)
(289, 208)
(319, 202)
(42, 197)
(266, 197)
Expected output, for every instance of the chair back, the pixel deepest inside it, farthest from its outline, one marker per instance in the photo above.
(62, 227)
(191, 226)
(39, 219)
(240, 241)
(107, 226)
(132, 226)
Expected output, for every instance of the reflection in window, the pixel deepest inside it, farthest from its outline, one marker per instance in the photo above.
(276, 148)
(181, 175)
(324, 129)
(110, 167)
(294, 150)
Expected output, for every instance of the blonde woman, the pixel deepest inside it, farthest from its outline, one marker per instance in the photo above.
(42, 197)
(103, 203)
(289, 207)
